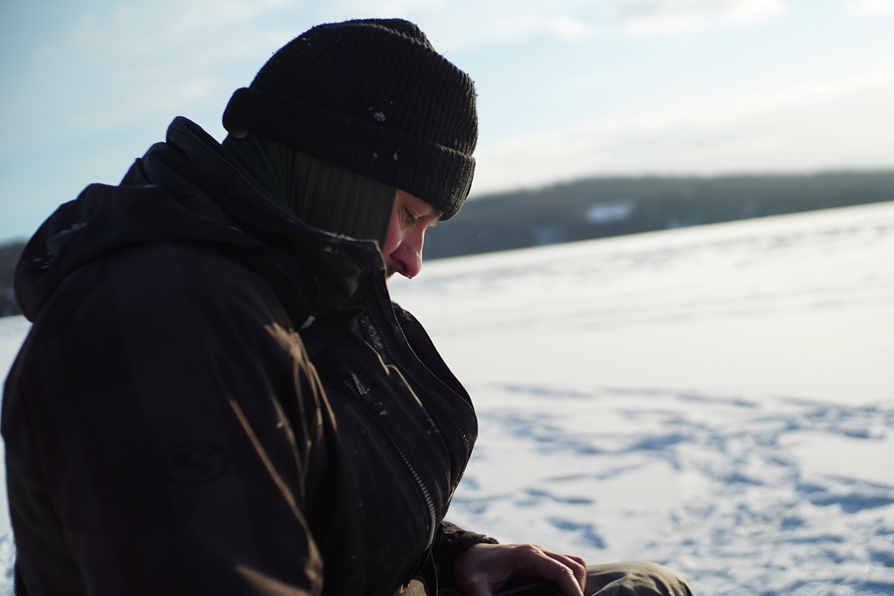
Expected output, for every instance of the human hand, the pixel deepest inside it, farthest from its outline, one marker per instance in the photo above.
(484, 568)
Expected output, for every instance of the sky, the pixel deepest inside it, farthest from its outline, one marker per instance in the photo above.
(566, 89)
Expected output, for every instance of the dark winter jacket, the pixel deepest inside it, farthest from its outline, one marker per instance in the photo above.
(218, 399)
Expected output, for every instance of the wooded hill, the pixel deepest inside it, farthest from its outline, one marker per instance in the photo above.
(603, 207)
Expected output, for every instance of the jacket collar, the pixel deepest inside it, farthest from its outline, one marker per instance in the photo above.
(189, 189)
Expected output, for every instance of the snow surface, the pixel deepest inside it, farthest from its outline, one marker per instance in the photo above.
(718, 399)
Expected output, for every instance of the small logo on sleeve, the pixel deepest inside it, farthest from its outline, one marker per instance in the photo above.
(195, 462)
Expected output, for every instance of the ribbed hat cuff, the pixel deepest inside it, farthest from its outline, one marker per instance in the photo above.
(436, 174)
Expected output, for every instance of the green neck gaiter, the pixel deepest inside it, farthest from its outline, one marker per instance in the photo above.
(321, 194)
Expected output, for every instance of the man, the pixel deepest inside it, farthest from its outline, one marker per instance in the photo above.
(217, 395)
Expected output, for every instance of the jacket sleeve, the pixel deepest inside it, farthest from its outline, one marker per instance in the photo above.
(158, 424)
(453, 542)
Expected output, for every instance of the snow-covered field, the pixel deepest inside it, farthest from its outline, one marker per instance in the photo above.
(718, 399)
(12, 332)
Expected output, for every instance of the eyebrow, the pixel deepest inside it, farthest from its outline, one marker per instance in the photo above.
(435, 212)
(429, 211)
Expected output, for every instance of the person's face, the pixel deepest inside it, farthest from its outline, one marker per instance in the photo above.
(410, 218)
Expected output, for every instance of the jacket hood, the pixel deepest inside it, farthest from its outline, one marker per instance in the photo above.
(189, 189)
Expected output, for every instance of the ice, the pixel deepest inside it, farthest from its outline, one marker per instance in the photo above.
(717, 399)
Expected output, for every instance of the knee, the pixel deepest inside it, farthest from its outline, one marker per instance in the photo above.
(667, 581)
(634, 578)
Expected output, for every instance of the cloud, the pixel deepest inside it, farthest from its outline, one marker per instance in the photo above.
(872, 7)
(200, 16)
(363, 8)
(124, 65)
(560, 26)
(649, 17)
(824, 124)
(463, 25)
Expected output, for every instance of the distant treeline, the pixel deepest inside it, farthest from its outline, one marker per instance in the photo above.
(602, 207)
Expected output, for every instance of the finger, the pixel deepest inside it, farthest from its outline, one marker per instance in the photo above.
(559, 569)
(577, 565)
(566, 581)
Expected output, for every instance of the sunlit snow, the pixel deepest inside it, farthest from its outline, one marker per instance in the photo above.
(718, 399)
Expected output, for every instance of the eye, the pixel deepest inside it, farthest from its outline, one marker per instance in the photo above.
(410, 217)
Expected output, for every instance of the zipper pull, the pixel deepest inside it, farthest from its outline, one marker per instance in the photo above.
(358, 386)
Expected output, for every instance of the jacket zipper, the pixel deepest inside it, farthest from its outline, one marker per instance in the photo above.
(410, 375)
(358, 395)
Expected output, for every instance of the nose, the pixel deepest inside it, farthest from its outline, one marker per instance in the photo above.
(409, 254)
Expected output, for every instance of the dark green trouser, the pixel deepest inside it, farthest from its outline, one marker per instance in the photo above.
(630, 578)
(634, 577)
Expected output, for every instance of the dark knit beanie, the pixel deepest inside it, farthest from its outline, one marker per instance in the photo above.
(371, 96)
